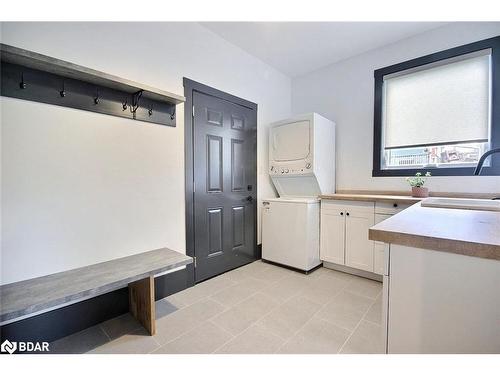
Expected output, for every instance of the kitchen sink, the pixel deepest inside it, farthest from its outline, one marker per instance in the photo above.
(463, 203)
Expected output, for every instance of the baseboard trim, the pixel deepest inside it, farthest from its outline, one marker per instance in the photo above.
(353, 271)
(70, 319)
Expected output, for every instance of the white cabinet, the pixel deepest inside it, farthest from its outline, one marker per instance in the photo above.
(344, 233)
(358, 248)
(383, 211)
(379, 248)
(441, 303)
(332, 236)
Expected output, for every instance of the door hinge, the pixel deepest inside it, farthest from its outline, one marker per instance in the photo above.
(193, 110)
(194, 260)
(194, 187)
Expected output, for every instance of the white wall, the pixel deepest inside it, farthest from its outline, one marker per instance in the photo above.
(79, 187)
(343, 92)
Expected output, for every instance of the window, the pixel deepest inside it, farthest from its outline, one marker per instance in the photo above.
(438, 112)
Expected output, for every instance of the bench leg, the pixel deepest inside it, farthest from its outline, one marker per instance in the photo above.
(142, 302)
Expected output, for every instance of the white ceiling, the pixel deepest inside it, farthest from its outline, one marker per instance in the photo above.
(296, 48)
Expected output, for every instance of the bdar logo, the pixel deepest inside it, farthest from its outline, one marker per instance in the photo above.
(8, 347)
(23, 346)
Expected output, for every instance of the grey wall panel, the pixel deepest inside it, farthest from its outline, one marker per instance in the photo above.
(38, 86)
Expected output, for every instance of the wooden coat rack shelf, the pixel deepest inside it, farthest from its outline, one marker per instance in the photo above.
(32, 76)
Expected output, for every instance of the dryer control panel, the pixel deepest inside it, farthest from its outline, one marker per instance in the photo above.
(292, 168)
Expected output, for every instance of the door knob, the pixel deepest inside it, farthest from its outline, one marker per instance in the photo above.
(249, 198)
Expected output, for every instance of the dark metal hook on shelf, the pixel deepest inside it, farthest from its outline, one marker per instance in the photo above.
(63, 91)
(150, 111)
(172, 115)
(135, 103)
(22, 84)
(124, 105)
(136, 98)
(97, 98)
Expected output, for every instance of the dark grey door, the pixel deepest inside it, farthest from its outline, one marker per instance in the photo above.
(225, 184)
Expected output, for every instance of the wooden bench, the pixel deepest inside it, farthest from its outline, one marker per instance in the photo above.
(31, 297)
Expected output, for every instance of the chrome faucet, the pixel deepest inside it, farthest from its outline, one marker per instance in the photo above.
(479, 166)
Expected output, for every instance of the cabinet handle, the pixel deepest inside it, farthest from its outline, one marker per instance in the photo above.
(347, 213)
(395, 205)
(341, 214)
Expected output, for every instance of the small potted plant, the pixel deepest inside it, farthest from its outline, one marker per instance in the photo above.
(417, 185)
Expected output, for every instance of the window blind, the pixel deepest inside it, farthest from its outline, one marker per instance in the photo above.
(438, 104)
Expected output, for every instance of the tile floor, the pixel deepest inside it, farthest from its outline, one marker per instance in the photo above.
(259, 308)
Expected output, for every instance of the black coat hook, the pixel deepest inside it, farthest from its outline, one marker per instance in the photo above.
(124, 105)
(172, 115)
(136, 98)
(150, 111)
(97, 98)
(22, 84)
(62, 92)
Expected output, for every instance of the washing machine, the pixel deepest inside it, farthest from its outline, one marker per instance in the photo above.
(290, 232)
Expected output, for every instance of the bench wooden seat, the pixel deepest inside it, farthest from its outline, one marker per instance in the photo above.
(31, 297)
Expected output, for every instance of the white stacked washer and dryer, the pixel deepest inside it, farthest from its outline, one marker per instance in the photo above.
(302, 167)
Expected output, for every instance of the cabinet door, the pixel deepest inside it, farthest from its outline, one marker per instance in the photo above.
(379, 256)
(380, 248)
(358, 248)
(332, 236)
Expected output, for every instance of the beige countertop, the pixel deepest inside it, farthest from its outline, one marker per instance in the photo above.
(397, 196)
(467, 232)
(371, 197)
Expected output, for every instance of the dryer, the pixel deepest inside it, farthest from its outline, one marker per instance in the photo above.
(302, 156)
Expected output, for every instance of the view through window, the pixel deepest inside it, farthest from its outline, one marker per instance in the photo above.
(459, 155)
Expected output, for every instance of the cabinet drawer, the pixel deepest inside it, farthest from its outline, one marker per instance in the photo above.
(347, 205)
(390, 208)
